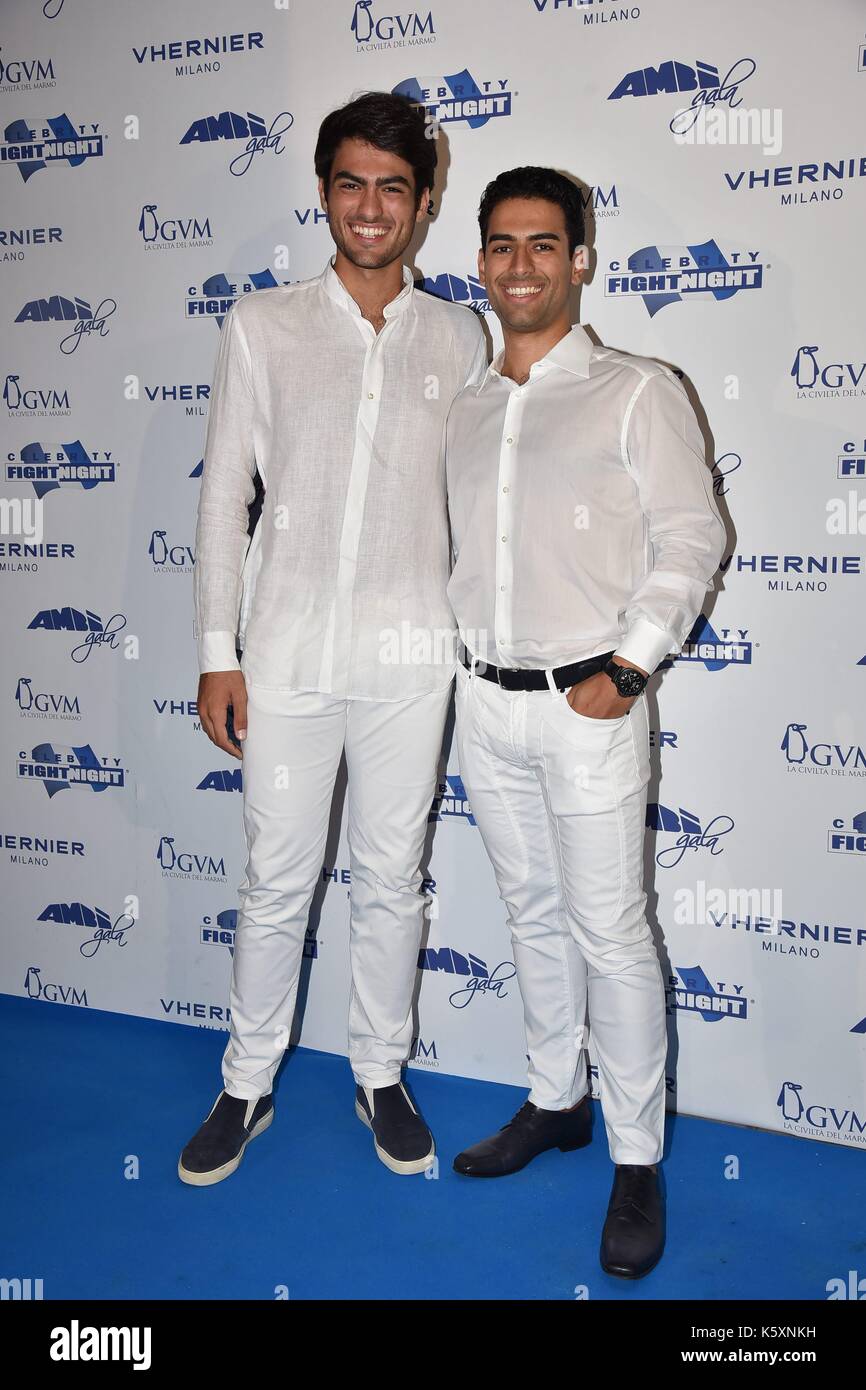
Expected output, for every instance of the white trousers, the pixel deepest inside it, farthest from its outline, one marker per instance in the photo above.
(560, 802)
(291, 756)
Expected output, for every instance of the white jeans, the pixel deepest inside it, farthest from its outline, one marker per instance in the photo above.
(560, 801)
(291, 757)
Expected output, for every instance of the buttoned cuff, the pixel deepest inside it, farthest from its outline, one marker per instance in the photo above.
(645, 644)
(216, 652)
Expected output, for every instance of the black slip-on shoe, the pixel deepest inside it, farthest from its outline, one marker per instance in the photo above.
(402, 1139)
(633, 1238)
(218, 1147)
(528, 1134)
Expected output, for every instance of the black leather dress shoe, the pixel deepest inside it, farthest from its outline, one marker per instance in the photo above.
(530, 1132)
(634, 1231)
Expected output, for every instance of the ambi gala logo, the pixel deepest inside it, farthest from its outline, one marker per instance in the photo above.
(845, 839)
(160, 233)
(468, 291)
(37, 988)
(43, 704)
(98, 632)
(662, 275)
(818, 1120)
(691, 835)
(817, 379)
(188, 864)
(60, 308)
(25, 74)
(458, 97)
(451, 800)
(49, 466)
(207, 52)
(33, 400)
(373, 30)
(480, 980)
(710, 90)
(217, 294)
(731, 646)
(222, 779)
(34, 145)
(821, 759)
(58, 767)
(100, 925)
(693, 993)
(230, 126)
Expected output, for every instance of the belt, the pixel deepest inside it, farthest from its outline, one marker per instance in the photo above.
(563, 676)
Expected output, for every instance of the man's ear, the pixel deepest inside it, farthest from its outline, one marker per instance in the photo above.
(579, 263)
(423, 209)
(481, 265)
(322, 199)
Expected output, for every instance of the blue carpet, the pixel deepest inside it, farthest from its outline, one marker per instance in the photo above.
(313, 1210)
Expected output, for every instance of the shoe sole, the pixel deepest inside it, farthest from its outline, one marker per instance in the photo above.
(226, 1169)
(397, 1165)
(505, 1172)
(629, 1273)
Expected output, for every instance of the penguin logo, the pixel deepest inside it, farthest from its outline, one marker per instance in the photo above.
(32, 982)
(147, 223)
(805, 369)
(158, 553)
(165, 854)
(23, 693)
(12, 392)
(790, 1100)
(795, 749)
(360, 18)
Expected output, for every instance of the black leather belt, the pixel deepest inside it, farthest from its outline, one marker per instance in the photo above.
(564, 677)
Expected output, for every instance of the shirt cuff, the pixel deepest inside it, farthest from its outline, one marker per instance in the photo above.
(645, 644)
(216, 652)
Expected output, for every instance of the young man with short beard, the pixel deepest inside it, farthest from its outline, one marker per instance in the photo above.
(586, 536)
(337, 388)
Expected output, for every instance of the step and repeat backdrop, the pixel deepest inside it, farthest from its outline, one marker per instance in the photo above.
(156, 163)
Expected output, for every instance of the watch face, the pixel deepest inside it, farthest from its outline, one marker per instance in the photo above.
(629, 682)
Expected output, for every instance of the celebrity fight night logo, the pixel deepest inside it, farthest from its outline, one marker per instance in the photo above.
(458, 97)
(40, 144)
(662, 275)
(50, 466)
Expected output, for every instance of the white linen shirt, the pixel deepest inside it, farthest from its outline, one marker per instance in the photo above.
(349, 560)
(582, 511)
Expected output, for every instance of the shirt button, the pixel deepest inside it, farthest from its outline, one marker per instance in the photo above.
(505, 489)
(505, 538)
(509, 440)
(502, 588)
(370, 396)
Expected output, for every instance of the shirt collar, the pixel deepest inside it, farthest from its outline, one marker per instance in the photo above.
(573, 353)
(336, 290)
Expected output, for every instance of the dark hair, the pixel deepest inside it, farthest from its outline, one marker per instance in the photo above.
(533, 181)
(387, 120)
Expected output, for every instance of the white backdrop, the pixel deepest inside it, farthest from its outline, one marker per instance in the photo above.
(149, 176)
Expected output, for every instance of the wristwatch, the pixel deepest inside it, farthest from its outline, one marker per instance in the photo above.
(627, 681)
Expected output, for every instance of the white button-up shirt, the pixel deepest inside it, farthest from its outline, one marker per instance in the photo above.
(582, 511)
(342, 588)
